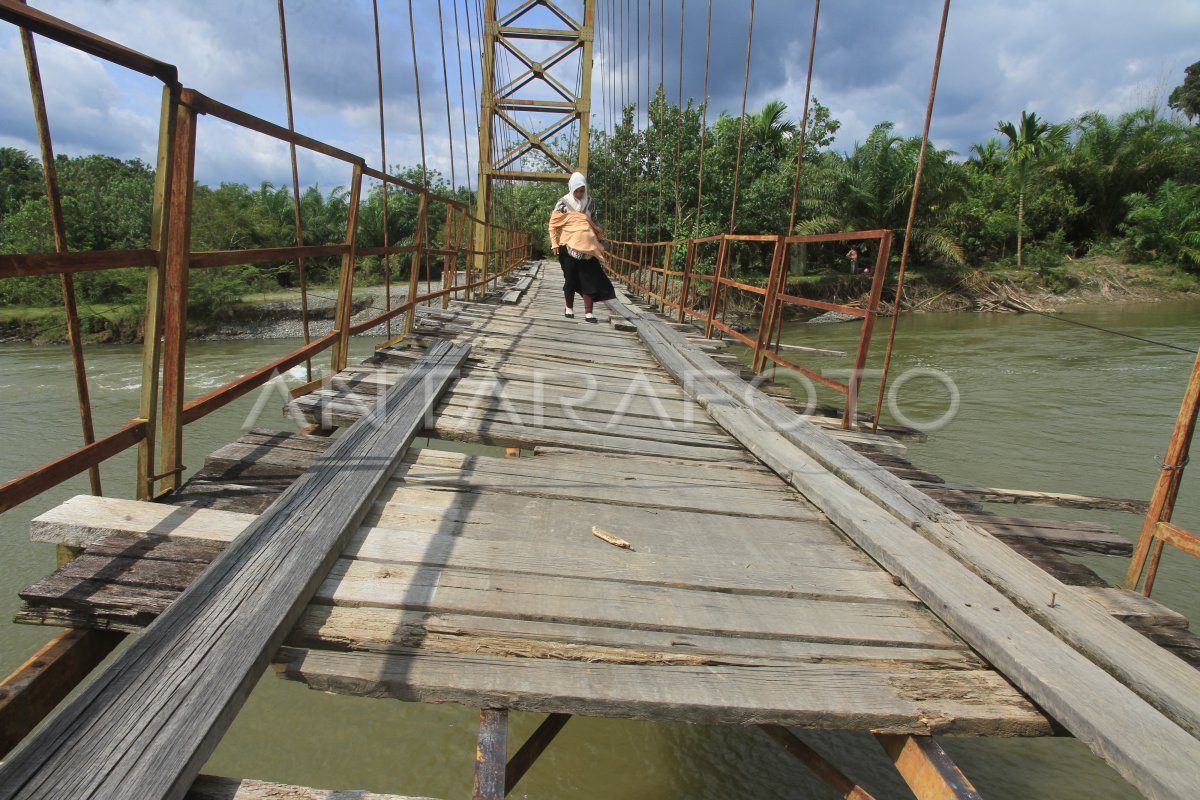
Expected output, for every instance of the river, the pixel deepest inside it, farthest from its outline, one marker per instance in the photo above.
(1042, 405)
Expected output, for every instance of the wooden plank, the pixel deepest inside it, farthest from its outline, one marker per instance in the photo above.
(1027, 497)
(829, 697)
(146, 724)
(382, 630)
(1062, 535)
(1185, 540)
(819, 572)
(142, 587)
(465, 429)
(209, 787)
(1132, 607)
(922, 542)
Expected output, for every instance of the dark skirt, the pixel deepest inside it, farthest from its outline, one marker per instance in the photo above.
(585, 276)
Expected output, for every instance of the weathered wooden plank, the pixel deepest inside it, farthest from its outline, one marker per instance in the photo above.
(145, 725)
(137, 589)
(209, 787)
(1063, 535)
(383, 630)
(496, 432)
(921, 542)
(1132, 607)
(805, 568)
(1027, 497)
(534, 415)
(822, 696)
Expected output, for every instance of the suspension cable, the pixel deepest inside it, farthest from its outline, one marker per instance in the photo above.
(812, 49)
(412, 38)
(387, 258)
(679, 127)
(703, 120)
(662, 78)
(737, 169)
(473, 62)
(287, 91)
(462, 101)
(446, 85)
(912, 214)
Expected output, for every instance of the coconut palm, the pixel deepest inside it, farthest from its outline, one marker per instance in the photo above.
(871, 188)
(1029, 143)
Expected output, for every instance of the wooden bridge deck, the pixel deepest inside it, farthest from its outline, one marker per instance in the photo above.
(479, 579)
(487, 580)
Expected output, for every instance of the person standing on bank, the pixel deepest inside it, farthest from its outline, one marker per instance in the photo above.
(576, 239)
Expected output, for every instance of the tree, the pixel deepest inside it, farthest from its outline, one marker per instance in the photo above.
(988, 158)
(872, 188)
(1113, 158)
(1029, 143)
(1186, 96)
(20, 179)
(770, 129)
(1165, 226)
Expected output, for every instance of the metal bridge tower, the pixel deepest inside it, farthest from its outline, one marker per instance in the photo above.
(533, 107)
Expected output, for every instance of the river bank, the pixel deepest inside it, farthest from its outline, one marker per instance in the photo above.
(1094, 280)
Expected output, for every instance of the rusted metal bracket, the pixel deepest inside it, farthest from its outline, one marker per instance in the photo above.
(490, 754)
(927, 768)
(819, 765)
(37, 686)
(494, 779)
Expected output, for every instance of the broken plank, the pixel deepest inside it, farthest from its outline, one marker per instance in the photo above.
(807, 695)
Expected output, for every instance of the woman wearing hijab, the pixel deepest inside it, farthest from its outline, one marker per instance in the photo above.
(575, 237)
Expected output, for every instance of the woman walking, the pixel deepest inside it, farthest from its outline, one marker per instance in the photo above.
(575, 237)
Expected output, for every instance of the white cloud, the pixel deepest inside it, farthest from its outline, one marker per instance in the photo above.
(873, 63)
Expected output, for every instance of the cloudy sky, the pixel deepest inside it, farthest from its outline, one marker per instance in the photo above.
(873, 63)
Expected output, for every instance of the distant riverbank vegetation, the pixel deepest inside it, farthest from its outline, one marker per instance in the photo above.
(1024, 204)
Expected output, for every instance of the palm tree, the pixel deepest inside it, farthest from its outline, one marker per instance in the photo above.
(1028, 143)
(871, 188)
(1114, 158)
(988, 157)
(770, 129)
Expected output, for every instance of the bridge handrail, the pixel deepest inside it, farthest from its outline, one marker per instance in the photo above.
(169, 260)
(646, 268)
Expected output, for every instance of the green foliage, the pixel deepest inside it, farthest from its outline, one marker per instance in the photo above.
(20, 180)
(1186, 96)
(1115, 157)
(1165, 226)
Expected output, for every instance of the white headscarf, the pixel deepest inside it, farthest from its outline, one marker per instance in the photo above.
(577, 180)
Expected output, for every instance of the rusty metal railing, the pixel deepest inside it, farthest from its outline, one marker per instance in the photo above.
(701, 295)
(164, 410)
